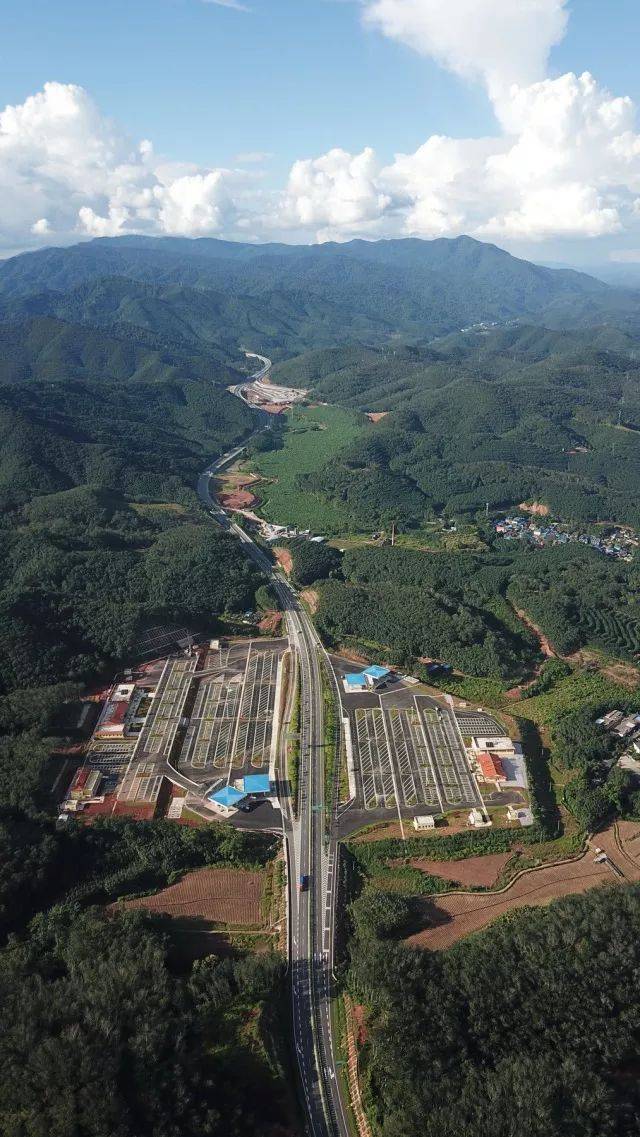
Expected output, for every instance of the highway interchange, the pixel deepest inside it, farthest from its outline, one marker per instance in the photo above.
(311, 854)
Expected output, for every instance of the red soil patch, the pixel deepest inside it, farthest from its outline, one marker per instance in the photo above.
(376, 416)
(284, 559)
(311, 598)
(237, 499)
(359, 1013)
(352, 656)
(538, 508)
(480, 872)
(224, 896)
(138, 811)
(545, 646)
(270, 622)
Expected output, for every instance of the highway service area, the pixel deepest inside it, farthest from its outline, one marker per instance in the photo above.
(197, 730)
(409, 755)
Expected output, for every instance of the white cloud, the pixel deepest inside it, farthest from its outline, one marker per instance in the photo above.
(233, 4)
(66, 171)
(498, 41)
(252, 157)
(564, 161)
(337, 195)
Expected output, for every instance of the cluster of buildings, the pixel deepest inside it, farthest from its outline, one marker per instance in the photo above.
(620, 543)
(286, 532)
(498, 761)
(624, 727)
(84, 790)
(123, 713)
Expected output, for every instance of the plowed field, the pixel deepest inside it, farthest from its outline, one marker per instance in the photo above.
(460, 913)
(481, 872)
(223, 896)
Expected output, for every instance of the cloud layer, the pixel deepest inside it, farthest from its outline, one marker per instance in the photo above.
(564, 162)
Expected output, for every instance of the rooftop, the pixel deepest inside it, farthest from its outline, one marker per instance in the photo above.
(256, 784)
(491, 765)
(355, 679)
(228, 797)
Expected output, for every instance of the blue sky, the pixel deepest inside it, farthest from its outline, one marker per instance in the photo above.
(295, 79)
(292, 77)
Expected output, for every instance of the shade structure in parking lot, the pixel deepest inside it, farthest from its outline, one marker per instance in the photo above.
(256, 784)
(227, 797)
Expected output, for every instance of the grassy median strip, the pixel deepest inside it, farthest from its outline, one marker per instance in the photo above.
(331, 743)
(293, 751)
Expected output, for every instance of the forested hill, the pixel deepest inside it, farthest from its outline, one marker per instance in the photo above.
(294, 297)
(505, 416)
(44, 348)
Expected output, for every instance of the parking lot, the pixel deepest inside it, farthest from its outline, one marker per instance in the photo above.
(478, 723)
(231, 720)
(408, 754)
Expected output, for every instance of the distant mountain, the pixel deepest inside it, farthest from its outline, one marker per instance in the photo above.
(40, 348)
(289, 298)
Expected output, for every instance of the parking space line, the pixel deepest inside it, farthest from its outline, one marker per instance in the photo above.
(393, 770)
(429, 753)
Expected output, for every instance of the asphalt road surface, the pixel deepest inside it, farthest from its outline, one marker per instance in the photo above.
(310, 855)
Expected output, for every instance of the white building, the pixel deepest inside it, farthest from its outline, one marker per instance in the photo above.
(425, 821)
(478, 819)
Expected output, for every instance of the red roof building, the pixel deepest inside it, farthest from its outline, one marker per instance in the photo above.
(491, 767)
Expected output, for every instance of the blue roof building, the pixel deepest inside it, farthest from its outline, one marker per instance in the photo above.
(355, 681)
(256, 784)
(227, 798)
(366, 680)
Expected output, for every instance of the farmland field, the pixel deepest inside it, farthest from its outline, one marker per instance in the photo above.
(223, 896)
(460, 913)
(313, 436)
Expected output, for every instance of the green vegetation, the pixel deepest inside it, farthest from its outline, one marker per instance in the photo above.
(114, 359)
(499, 418)
(293, 750)
(489, 1037)
(580, 599)
(43, 865)
(391, 609)
(372, 856)
(81, 574)
(148, 438)
(332, 753)
(579, 689)
(313, 562)
(313, 434)
(225, 295)
(98, 1036)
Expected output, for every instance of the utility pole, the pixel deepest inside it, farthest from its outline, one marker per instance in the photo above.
(393, 533)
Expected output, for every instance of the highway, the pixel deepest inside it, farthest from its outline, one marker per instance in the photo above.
(310, 854)
(240, 388)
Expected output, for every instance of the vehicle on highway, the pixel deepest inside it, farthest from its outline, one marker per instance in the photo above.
(303, 883)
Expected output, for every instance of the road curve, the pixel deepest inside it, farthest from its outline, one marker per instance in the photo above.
(310, 853)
